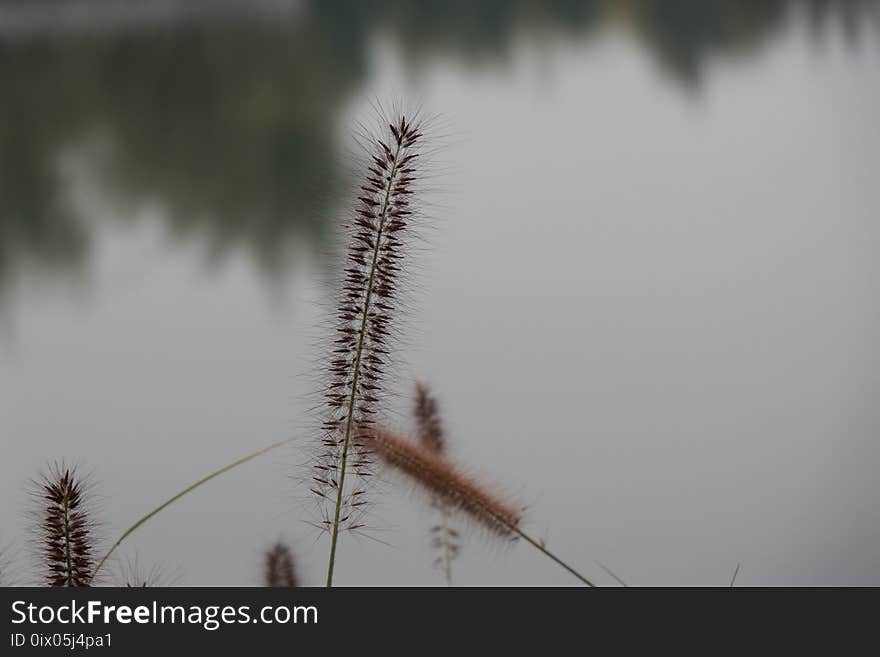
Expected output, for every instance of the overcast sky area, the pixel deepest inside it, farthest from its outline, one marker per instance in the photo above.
(647, 305)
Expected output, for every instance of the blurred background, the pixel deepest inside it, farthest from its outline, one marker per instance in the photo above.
(648, 308)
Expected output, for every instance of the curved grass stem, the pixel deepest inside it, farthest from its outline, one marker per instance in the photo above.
(186, 490)
(539, 545)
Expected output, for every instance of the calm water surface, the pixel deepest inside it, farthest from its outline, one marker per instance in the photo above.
(648, 308)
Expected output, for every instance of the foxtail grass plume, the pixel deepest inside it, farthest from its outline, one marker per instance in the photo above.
(457, 490)
(442, 480)
(364, 325)
(65, 538)
(278, 568)
(428, 425)
(429, 429)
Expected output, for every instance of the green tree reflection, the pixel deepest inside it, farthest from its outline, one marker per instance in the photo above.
(231, 127)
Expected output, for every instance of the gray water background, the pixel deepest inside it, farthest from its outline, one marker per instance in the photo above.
(648, 303)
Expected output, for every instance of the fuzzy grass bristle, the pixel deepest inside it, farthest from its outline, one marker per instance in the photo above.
(66, 541)
(364, 322)
(278, 568)
(445, 482)
(133, 575)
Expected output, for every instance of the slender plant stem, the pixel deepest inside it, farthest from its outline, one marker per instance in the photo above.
(540, 546)
(349, 422)
(186, 490)
(613, 575)
(735, 573)
(446, 549)
(447, 556)
(447, 564)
